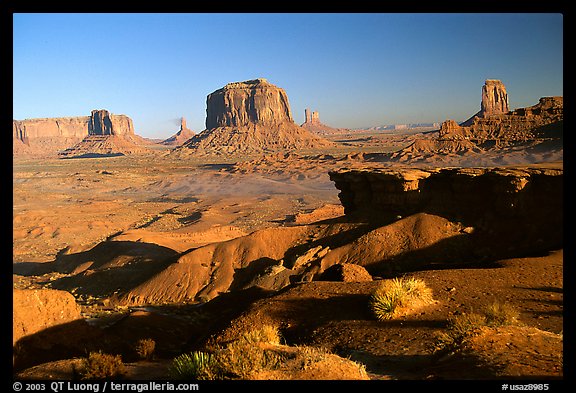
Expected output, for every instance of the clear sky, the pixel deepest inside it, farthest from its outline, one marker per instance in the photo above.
(355, 69)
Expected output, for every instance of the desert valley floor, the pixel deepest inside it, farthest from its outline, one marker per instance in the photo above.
(116, 232)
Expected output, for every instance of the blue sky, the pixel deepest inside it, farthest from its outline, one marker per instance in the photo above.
(355, 69)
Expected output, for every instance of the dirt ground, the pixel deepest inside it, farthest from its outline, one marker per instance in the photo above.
(62, 207)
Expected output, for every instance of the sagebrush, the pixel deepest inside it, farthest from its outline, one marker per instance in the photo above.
(100, 365)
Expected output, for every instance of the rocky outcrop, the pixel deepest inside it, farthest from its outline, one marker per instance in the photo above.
(181, 136)
(103, 123)
(494, 134)
(48, 136)
(540, 121)
(312, 123)
(494, 98)
(108, 135)
(250, 117)
(522, 203)
(38, 309)
(241, 104)
(494, 101)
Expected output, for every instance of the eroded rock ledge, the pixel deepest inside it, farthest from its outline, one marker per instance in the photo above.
(505, 204)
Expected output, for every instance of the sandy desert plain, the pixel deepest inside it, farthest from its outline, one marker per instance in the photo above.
(206, 252)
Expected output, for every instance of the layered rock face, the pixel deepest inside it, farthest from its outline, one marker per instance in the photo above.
(47, 136)
(252, 117)
(103, 123)
(244, 103)
(502, 204)
(543, 120)
(30, 129)
(108, 135)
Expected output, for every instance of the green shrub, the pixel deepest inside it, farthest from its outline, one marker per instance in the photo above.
(100, 365)
(392, 295)
(195, 365)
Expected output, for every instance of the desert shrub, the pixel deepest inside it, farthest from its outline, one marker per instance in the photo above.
(249, 354)
(266, 334)
(195, 365)
(501, 314)
(468, 325)
(241, 359)
(100, 365)
(145, 348)
(459, 328)
(391, 295)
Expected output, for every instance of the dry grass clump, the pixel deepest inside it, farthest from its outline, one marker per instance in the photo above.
(501, 314)
(256, 354)
(100, 365)
(464, 326)
(145, 348)
(399, 294)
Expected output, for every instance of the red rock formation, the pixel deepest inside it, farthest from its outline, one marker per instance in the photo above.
(312, 123)
(511, 205)
(48, 136)
(181, 136)
(247, 118)
(103, 123)
(38, 309)
(494, 98)
(244, 103)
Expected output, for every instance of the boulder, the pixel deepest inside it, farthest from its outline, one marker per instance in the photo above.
(346, 272)
(38, 309)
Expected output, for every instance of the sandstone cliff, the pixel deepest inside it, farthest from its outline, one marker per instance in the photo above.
(543, 120)
(251, 117)
(38, 309)
(518, 206)
(494, 100)
(103, 123)
(244, 103)
(48, 136)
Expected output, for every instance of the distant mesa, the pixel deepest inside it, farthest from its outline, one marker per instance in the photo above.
(250, 117)
(49, 136)
(181, 136)
(495, 126)
(312, 123)
(108, 135)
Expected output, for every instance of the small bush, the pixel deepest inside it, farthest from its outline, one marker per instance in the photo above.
(100, 365)
(145, 348)
(266, 334)
(501, 314)
(468, 325)
(247, 355)
(459, 328)
(196, 365)
(392, 295)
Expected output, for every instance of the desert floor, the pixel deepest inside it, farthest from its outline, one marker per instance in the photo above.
(68, 206)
